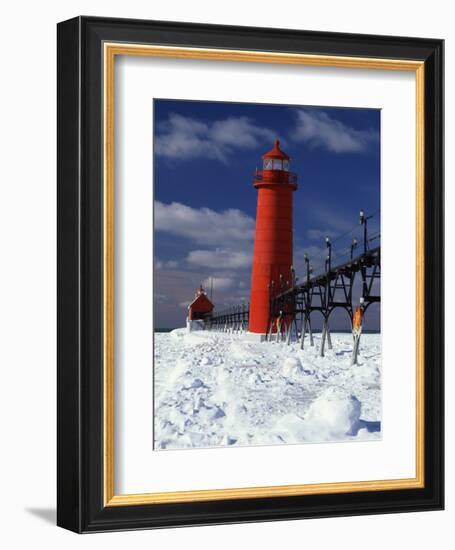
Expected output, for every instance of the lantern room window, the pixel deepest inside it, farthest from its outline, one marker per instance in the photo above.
(276, 164)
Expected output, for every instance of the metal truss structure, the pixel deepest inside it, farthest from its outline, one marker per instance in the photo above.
(325, 293)
(348, 285)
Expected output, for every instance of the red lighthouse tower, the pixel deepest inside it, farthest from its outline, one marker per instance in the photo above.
(272, 260)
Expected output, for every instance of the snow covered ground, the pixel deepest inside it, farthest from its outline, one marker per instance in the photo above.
(214, 389)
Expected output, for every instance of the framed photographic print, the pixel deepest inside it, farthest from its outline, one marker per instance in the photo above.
(250, 274)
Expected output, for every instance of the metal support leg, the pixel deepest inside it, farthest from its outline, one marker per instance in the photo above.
(289, 333)
(329, 339)
(310, 332)
(302, 336)
(355, 349)
(323, 337)
(278, 330)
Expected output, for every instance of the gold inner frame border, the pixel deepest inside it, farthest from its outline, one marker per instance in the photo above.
(110, 51)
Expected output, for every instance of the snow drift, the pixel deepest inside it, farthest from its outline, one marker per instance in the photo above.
(215, 389)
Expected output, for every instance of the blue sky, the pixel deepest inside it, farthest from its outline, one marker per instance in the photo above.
(205, 156)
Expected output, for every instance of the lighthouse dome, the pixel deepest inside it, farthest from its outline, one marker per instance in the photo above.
(276, 153)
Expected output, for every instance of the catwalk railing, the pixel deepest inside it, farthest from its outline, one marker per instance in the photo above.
(232, 319)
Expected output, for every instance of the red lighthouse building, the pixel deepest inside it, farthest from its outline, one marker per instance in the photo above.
(272, 258)
(200, 306)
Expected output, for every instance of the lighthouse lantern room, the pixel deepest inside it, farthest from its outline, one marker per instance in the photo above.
(272, 257)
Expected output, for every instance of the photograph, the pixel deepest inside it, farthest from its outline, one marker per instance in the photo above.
(267, 274)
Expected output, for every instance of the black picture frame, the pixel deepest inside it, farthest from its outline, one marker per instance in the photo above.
(80, 474)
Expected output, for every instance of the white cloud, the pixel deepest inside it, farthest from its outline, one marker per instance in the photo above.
(218, 283)
(318, 129)
(160, 298)
(220, 258)
(184, 137)
(235, 300)
(203, 225)
(165, 264)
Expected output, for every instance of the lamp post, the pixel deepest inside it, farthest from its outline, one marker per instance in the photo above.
(328, 263)
(353, 247)
(307, 265)
(306, 324)
(364, 221)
